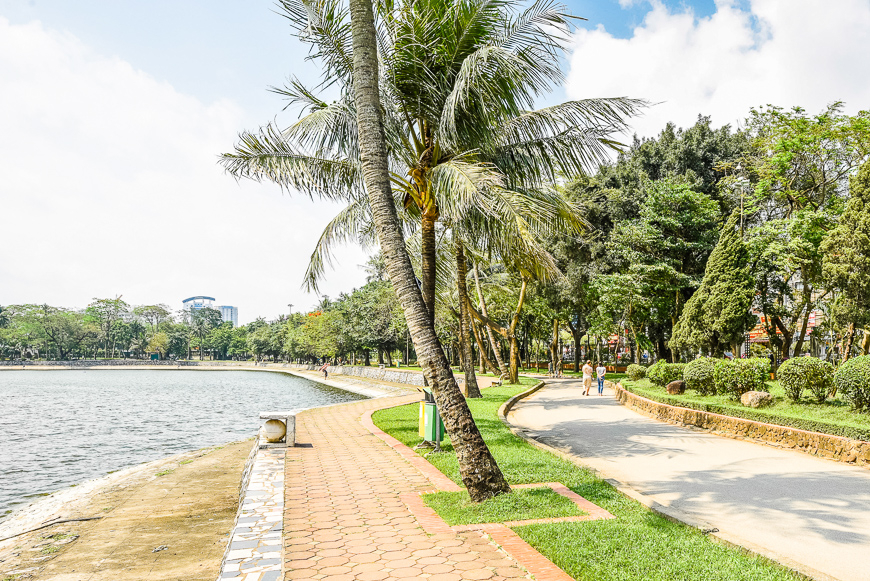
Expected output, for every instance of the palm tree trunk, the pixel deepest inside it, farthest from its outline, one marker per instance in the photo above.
(471, 387)
(485, 363)
(427, 263)
(479, 471)
(495, 347)
(512, 333)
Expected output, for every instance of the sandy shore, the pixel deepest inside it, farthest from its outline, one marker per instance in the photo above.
(186, 503)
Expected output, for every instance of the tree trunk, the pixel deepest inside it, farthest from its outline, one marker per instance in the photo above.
(481, 348)
(554, 344)
(477, 467)
(368, 358)
(471, 387)
(495, 346)
(850, 338)
(512, 334)
(865, 342)
(427, 263)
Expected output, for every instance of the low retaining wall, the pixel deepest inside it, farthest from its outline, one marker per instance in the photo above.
(390, 374)
(815, 443)
(386, 374)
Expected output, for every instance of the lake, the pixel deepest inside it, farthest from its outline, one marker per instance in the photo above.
(58, 428)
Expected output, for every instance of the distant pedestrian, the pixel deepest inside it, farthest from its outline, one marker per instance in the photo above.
(587, 377)
(324, 370)
(600, 372)
(549, 369)
(559, 368)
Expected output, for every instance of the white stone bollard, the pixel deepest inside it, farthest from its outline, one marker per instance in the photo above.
(272, 430)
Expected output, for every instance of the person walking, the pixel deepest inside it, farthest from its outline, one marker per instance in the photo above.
(549, 369)
(324, 370)
(600, 372)
(559, 368)
(587, 377)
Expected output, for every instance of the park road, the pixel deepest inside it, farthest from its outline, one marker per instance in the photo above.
(789, 504)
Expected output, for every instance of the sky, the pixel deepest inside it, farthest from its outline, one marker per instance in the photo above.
(113, 114)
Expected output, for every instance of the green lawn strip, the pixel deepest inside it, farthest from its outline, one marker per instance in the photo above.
(636, 545)
(456, 508)
(835, 416)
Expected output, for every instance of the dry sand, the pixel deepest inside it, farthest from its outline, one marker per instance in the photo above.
(186, 503)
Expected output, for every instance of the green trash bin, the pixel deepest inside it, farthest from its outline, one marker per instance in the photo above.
(431, 425)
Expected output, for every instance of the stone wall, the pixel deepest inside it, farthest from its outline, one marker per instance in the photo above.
(391, 374)
(823, 445)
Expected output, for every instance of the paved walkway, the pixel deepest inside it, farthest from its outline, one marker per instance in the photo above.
(798, 507)
(344, 514)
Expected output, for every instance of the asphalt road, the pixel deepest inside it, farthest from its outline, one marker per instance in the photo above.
(789, 505)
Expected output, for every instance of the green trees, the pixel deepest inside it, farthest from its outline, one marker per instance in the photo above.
(718, 314)
(846, 263)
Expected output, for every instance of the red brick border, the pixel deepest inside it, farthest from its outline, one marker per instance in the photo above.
(523, 553)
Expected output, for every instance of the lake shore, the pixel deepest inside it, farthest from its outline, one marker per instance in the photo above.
(186, 502)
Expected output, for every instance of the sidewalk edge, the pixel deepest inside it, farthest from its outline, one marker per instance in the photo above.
(670, 513)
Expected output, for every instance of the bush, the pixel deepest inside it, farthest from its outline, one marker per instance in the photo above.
(738, 376)
(853, 380)
(635, 371)
(806, 373)
(663, 373)
(763, 365)
(699, 375)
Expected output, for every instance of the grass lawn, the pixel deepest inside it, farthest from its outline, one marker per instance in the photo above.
(835, 416)
(456, 508)
(637, 545)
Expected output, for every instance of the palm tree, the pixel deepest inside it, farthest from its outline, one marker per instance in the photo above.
(480, 473)
(459, 78)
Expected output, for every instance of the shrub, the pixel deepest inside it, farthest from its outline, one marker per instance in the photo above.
(663, 373)
(806, 373)
(635, 371)
(738, 376)
(699, 375)
(763, 365)
(853, 380)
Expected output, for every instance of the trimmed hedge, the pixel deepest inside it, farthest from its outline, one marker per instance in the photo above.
(699, 375)
(635, 371)
(663, 373)
(759, 416)
(853, 380)
(806, 373)
(737, 376)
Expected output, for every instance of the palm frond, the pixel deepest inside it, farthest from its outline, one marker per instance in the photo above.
(352, 224)
(267, 155)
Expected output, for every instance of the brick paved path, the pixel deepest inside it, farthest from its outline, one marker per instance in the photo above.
(344, 518)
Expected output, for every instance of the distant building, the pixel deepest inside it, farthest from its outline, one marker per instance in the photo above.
(230, 314)
(197, 303)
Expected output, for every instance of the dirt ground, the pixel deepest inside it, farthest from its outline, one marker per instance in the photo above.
(169, 520)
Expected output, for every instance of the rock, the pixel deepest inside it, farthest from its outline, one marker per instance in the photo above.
(756, 399)
(676, 387)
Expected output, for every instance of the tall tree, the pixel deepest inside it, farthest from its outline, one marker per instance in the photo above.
(846, 265)
(105, 313)
(478, 468)
(718, 314)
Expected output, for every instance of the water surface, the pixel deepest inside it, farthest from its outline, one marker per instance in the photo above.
(61, 427)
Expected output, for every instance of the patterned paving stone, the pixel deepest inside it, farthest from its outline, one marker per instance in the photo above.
(344, 515)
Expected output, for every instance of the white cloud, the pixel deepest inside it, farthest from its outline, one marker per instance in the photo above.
(109, 185)
(800, 52)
